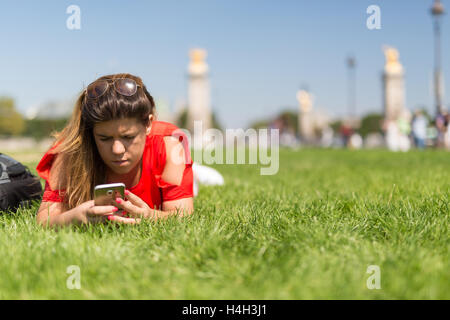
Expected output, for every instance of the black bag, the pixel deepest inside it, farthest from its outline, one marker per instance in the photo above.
(17, 185)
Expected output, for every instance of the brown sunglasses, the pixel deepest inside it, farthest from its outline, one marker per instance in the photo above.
(124, 86)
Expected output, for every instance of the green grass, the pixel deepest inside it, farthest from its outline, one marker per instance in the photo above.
(309, 232)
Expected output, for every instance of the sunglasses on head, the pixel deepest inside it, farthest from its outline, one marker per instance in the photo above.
(124, 86)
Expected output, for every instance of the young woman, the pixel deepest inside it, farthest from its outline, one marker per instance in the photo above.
(113, 137)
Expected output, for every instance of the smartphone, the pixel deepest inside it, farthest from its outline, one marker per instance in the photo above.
(104, 194)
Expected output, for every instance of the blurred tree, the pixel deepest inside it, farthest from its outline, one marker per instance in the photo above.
(371, 123)
(290, 119)
(261, 124)
(43, 128)
(11, 121)
(336, 125)
(181, 121)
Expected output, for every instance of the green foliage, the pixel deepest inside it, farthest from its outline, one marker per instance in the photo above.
(11, 121)
(13, 124)
(288, 118)
(308, 232)
(371, 123)
(261, 124)
(43, 128)
(181, 122)
(336, 125)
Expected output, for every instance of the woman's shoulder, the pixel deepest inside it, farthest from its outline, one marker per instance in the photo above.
(165, 135)
(163, 138)
(169, 160)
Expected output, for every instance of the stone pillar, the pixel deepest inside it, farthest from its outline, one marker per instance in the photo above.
(305, 117)
(393, 86)
(199, 101)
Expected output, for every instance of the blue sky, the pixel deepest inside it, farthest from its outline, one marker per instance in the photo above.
(260, 52)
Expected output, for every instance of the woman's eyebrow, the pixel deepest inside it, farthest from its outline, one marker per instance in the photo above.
(102, 135)
(128, 133)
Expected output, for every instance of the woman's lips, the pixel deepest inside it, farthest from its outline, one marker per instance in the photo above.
(120, 163)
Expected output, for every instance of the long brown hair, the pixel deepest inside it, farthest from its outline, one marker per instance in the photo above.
(82, 167)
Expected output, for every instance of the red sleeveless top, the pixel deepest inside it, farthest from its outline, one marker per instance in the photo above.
(151, 187)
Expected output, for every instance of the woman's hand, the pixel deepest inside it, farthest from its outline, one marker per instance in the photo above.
(52, 214)
(138, 209)
(88, 212)
(173, 171)
(134, 206)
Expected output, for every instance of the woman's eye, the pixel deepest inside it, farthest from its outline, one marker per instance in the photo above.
(104, 139)
(129, 137)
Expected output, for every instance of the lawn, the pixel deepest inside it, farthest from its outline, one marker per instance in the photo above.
(308, 232)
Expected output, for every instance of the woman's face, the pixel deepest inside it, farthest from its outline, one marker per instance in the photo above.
(121, 143)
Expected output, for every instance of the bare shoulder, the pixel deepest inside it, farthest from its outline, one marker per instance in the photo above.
(174, 150)
(171, 141)
(175, 161)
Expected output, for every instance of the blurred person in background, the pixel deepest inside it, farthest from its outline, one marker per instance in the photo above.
(431, 136)
(419, 129)
(447, 133)
(392, 135)
(346, 132)
(404, 130)
(441, 126)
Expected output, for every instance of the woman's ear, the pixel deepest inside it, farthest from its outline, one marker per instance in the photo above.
(149, 127)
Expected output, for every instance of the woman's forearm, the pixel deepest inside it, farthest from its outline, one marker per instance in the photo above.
(66, 218)
(160, 214)
(45, 218)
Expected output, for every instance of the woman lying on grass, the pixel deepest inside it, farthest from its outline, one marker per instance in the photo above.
(113, 137)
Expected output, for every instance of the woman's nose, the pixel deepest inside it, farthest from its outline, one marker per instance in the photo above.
(118, 147)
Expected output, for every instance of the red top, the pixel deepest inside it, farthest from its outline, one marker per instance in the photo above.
(151, 187)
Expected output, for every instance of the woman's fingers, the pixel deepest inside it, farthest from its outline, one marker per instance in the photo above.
(101, 210)
(135, 199)
(97, 219)
(123, 220)
(129, 207)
